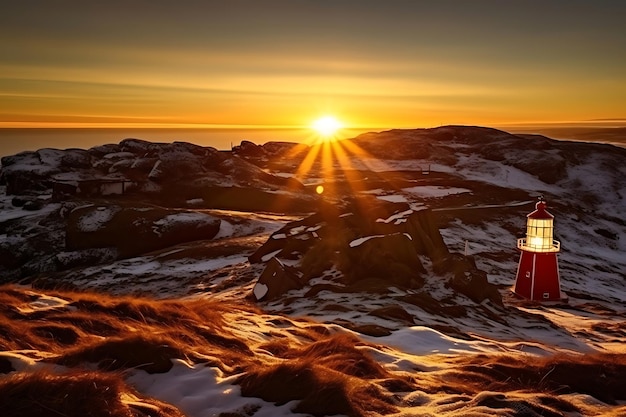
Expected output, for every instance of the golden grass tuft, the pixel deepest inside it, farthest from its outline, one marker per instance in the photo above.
(321, 391)
(74, 395)
(151, 353)
(600, 375)
(124, 332)
(339, 353)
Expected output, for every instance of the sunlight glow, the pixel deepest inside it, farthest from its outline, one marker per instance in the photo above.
(327, 126)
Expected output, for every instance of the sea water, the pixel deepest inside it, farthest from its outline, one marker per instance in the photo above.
(13, 141)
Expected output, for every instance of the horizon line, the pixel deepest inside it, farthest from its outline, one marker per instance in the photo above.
(606, 123)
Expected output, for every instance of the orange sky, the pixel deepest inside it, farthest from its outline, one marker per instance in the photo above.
(286, 62)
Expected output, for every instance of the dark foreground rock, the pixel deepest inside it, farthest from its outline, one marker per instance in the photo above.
(135, 230)
(373, 249)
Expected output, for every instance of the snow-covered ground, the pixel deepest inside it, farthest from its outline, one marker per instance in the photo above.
(589, 205)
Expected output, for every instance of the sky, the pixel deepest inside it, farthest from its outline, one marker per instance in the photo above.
(276, 63)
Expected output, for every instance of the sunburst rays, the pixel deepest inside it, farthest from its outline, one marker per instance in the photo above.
(334, 169)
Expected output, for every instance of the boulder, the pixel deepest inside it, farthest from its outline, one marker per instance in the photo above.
(29, 172)
(391, 258)
(136, 146)
(134, 231)
(101, 150)
(249, 149)
(474, 284)
(276, 279)
(426, 238)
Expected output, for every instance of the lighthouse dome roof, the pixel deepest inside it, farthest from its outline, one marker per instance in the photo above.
(540, 211)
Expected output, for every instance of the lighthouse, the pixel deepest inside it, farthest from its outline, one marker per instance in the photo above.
(538, 270)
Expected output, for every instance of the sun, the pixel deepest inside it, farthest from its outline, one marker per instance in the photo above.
(327, 126)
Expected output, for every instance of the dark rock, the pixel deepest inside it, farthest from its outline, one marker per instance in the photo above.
(604, 232)
(19, 201)
(123, 166)
(149, 228)
(474, 284)
(11, 257)
(249, 149)
(373, 330)
(429, 304)
(425, 235)
(280, 149)
(75, 159)
(86, 257)
(389, 257)
(276, 280)
(136, 146)
(548, 168)
(33, 205)
(101, 150)
(393, 312)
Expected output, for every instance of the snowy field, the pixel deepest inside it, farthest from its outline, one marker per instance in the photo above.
(425, 341)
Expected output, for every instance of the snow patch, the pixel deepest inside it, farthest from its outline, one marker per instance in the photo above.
(394, 198)
(260, 290)
(435, 191)
(96, 219)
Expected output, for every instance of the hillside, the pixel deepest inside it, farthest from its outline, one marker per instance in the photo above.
(221, 283)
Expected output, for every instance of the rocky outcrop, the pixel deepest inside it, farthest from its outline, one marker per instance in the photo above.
(276, 280)
(373, 248)
(168, 173)
(134, 231)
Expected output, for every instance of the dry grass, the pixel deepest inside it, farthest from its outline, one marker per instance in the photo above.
(321, 390)
(326, 373)
(77, 394)
(600, 375)
(121, 332)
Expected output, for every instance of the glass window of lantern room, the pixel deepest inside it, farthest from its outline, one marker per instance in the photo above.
(545, 228)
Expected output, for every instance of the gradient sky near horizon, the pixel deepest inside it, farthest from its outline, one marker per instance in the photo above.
(402, 63)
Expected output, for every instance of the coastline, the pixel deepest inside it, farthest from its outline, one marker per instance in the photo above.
(15, 140)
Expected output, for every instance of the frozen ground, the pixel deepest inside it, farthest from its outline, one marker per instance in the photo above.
(481, 212)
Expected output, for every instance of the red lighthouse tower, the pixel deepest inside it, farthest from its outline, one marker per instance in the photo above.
(538, 271)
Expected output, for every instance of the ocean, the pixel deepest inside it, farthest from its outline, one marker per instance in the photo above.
(16, 140)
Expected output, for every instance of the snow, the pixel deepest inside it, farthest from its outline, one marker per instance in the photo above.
(270, 255)
(260, 290)
(96, 219)
(475, 168)
(284, 174)
(394, 198)
(396, 217)
(153, 275)
(361, 240)
(42, 302)
(195, 202)
(435, 191)
(420, 340)
(119, 155)
(177, 219)
(226, 230)
(156, 170)
(201, 391)
(421, 191)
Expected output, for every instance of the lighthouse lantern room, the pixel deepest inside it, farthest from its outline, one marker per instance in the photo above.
(538, 270)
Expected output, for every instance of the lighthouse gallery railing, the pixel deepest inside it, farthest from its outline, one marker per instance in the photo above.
(555, 247)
